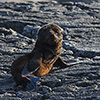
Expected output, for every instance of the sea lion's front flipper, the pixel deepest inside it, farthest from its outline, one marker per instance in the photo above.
(60, 63)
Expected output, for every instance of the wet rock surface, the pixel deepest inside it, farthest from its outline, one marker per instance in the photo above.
(19, 23)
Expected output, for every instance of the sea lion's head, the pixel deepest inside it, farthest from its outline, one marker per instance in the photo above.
(50, 34)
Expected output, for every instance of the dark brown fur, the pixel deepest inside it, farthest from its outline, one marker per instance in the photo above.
(45, 54)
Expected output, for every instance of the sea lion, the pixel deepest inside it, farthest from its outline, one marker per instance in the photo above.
(42, 58)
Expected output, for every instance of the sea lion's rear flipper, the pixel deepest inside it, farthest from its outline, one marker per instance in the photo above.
(60, 63)
(33, 83)
(17, 67)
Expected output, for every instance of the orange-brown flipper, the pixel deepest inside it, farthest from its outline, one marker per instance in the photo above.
(61, 64)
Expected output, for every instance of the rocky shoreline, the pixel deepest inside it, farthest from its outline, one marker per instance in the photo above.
(19, 23)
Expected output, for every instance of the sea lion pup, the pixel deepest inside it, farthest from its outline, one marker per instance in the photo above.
(45, 54)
